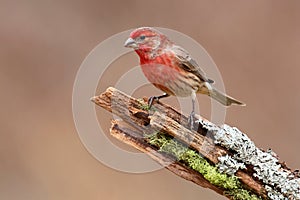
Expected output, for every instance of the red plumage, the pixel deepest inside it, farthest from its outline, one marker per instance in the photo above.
(170, 68)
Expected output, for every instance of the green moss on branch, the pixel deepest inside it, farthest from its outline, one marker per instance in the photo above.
(231, 184)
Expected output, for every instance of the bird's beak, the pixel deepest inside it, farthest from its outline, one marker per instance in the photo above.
(130, 43)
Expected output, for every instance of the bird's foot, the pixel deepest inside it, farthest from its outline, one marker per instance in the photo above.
(151, 99)
(191, 120)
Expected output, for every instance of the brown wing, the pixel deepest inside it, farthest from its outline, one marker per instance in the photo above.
(189, 64)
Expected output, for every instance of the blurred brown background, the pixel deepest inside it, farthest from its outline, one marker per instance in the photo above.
(255, 44)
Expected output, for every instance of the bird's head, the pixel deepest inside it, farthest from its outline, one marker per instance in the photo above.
(145, 40)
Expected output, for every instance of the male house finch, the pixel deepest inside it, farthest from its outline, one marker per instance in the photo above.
(171, 69)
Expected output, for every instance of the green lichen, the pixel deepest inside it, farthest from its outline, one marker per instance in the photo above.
(192, 159)
(241, 194)
(143, 105)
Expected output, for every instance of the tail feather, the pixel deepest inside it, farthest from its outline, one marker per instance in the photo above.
(223, 98)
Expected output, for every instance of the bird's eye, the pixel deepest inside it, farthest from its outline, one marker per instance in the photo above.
(142, 37)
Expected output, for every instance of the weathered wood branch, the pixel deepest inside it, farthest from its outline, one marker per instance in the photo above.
(133, 138)
(165, 119)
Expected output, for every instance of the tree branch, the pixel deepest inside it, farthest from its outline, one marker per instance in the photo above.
(132, 138)
(238, 174)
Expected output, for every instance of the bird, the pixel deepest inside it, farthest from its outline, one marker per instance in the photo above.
(170, 68)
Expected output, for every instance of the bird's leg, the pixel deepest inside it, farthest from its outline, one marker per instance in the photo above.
(157, 98)
(191, 119)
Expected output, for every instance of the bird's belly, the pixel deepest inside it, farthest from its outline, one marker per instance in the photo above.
(171, 80)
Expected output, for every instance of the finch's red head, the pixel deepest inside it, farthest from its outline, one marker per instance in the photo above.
(145, 39)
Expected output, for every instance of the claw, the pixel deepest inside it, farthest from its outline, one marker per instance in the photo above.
(151, 99)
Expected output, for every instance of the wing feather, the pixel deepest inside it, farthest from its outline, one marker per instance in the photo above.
(187, 63)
